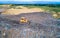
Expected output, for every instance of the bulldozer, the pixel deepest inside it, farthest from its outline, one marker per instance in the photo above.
(23, 20)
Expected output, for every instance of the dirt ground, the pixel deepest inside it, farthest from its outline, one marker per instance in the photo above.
(23, 10)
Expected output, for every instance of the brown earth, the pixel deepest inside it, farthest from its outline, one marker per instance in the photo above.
(23, 10)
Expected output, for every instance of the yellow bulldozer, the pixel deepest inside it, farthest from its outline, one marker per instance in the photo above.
(23, 20)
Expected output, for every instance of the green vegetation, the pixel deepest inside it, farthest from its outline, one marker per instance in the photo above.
(55, 8)
(46, 7)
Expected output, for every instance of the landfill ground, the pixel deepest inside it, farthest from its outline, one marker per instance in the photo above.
(41, 25)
